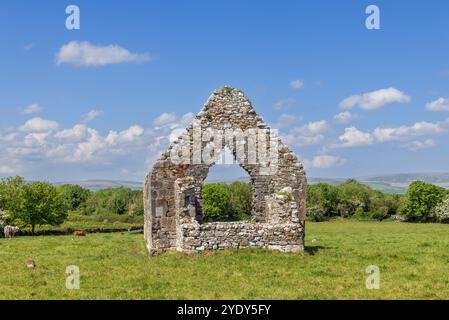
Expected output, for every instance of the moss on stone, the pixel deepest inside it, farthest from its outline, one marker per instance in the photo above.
(285, 194)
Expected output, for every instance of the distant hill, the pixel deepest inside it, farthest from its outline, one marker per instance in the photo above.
(242, 179)
(95, 185)
(392, 183)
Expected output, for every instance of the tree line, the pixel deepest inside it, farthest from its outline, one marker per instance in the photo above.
(32, 204)
(423, 202)
(226, 202)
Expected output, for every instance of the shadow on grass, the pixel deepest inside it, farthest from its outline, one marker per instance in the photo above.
(312, 250)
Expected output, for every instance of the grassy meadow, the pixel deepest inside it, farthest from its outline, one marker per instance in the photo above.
(113, 221)
(413, 260)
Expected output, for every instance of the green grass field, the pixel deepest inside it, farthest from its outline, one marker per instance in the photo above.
(413, 259)
(93, 221)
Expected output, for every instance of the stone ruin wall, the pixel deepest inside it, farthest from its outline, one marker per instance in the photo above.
(278, 205)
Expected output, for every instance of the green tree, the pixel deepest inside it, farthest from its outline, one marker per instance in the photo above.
(9, 190)
(323, 196)
(74, 195)
(118, 199)
(38, 203)
(135, 206)
(114, 201)
(317, 213)
(4, 221)
(216, 202)
(421, 199)
(353, 196)
(240, 197)
(393, 202)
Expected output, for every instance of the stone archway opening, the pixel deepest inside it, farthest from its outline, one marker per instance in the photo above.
(227, 192)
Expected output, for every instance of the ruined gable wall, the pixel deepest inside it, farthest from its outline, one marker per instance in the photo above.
(227, 108)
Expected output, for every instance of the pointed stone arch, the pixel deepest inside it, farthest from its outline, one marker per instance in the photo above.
(173, 204)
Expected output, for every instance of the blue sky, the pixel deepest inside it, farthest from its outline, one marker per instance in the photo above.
(156, 63)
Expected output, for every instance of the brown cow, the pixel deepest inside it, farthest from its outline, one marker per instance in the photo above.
(79, 233)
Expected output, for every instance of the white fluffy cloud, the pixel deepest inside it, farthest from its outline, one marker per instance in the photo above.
(311, 133)
(78, 133)
(33, 108)
(7, 170)
(285, 120)
(344, 117)
(353, 137)
(301, 141)
(128, 135)
(91, 115)
(297, 84)
(313, 128)
(86, 54)
(164, 119)
(187, 119)
(36, 139)
(417, 145)
(440, 104)
(284, 103)
(88, 149)
(39, 125)
(375, 99)
(324, 162)
(406, 132)
(43, 143)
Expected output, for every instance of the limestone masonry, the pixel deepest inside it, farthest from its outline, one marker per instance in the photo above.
(173, 213)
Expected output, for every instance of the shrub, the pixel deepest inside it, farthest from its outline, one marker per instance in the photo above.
(227, 202)
(380, 214)
(347, 208)
(136, 207)
(216, 202)
(114, 201)
(240, 196)
(352, 196)
(3, 218)
(421, 200)
(353, 199)
(441, 211)
(110, 218)
(3, 221)
(325, 196)
(317, 214)
(359, 214)
(74, 195)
